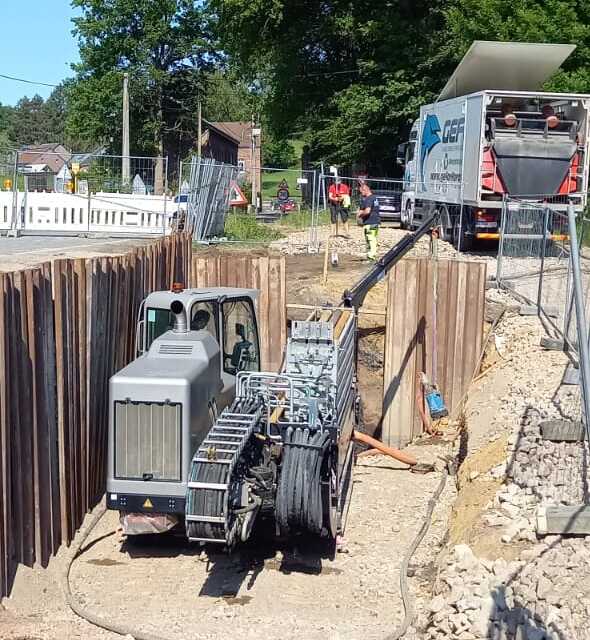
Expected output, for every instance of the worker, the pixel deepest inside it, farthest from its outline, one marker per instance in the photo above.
(200, 320)
(338, 192)
(368, 216)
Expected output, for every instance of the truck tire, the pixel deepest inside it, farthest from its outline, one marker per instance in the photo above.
(462, 241)
(405, 216)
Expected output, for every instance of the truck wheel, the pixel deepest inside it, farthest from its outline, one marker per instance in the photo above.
(405, 217)
(462, 241)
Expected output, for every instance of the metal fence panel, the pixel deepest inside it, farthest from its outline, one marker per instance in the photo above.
(208, 185)
(542, 260)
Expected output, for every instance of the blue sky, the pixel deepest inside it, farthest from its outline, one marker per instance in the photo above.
(36, 44)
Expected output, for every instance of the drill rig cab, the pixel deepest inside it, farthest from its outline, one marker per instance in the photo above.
(191, 346)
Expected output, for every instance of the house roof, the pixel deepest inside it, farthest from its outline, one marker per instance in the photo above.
(53, 155)
(222, 131)
(241, 131)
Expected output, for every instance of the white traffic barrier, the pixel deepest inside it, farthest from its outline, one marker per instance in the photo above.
(105, 213)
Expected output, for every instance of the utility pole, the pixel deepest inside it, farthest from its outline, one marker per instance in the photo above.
(199, 133)
(126, 168)
(252, 165)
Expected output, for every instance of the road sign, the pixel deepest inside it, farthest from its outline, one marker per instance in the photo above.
(236, 195)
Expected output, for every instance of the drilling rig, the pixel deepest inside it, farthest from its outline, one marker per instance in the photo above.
(201, 440)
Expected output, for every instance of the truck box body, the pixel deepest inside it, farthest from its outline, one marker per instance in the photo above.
(465, 154)
(478, 145)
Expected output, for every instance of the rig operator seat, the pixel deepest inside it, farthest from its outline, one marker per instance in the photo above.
(240, 356)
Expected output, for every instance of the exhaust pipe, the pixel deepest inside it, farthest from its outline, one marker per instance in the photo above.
(180, 322)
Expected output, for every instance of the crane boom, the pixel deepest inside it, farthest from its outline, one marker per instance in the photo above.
(354, 298)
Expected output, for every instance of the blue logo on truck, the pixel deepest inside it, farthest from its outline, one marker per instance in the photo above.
(430, 139)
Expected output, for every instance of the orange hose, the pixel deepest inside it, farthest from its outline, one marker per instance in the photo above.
(383, 448)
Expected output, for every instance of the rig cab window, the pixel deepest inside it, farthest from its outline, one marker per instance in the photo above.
(241, 350)
(158, 322)
(204, 317)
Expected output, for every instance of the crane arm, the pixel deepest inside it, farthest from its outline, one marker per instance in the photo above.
(354, 298)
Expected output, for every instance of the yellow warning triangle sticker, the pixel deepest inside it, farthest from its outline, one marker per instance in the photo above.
(148, 504)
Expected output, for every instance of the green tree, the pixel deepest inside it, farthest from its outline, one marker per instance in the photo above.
(278, 153)
(228, 98)
(37, 121)
(165, 47)
(352, 74)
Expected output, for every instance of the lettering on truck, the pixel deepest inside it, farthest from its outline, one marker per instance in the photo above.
(452, 132)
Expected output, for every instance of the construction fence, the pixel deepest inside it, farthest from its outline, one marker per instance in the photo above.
(534, 263)
(544, 262)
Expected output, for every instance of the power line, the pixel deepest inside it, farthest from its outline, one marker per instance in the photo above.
(328, 73)
(44, 84)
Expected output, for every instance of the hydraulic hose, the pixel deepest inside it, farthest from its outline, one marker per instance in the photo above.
(406, 458)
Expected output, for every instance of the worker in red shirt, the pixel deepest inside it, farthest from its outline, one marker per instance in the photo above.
(339, 200)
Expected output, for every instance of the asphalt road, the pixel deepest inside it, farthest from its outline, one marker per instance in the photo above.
(27, 251)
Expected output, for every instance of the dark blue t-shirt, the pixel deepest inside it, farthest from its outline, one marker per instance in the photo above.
(373, 203)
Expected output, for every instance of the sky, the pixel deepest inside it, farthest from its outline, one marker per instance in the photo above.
(36, 44)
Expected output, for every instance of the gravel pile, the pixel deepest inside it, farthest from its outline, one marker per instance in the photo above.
(544, 595)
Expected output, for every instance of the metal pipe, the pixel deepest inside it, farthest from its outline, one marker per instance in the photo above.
(180, 320)
(580, 315)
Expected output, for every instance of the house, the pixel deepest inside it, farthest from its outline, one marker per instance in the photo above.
(219, 144)
(45, 167)
(249, 155)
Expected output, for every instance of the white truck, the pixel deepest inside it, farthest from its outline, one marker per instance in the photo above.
(476, 147)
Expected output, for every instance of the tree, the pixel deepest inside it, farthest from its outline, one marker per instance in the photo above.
(352, 74)
(35, 121)
(165, 47)
(228, 98)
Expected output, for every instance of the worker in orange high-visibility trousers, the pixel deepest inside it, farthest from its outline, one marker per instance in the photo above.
(368, 215)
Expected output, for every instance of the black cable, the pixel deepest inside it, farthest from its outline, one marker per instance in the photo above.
(43, 84)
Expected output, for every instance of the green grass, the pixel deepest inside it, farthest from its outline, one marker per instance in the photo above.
(244, 228)
(272, 179)
(301, 220)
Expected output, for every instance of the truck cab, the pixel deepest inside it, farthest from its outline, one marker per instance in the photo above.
(192, 343)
